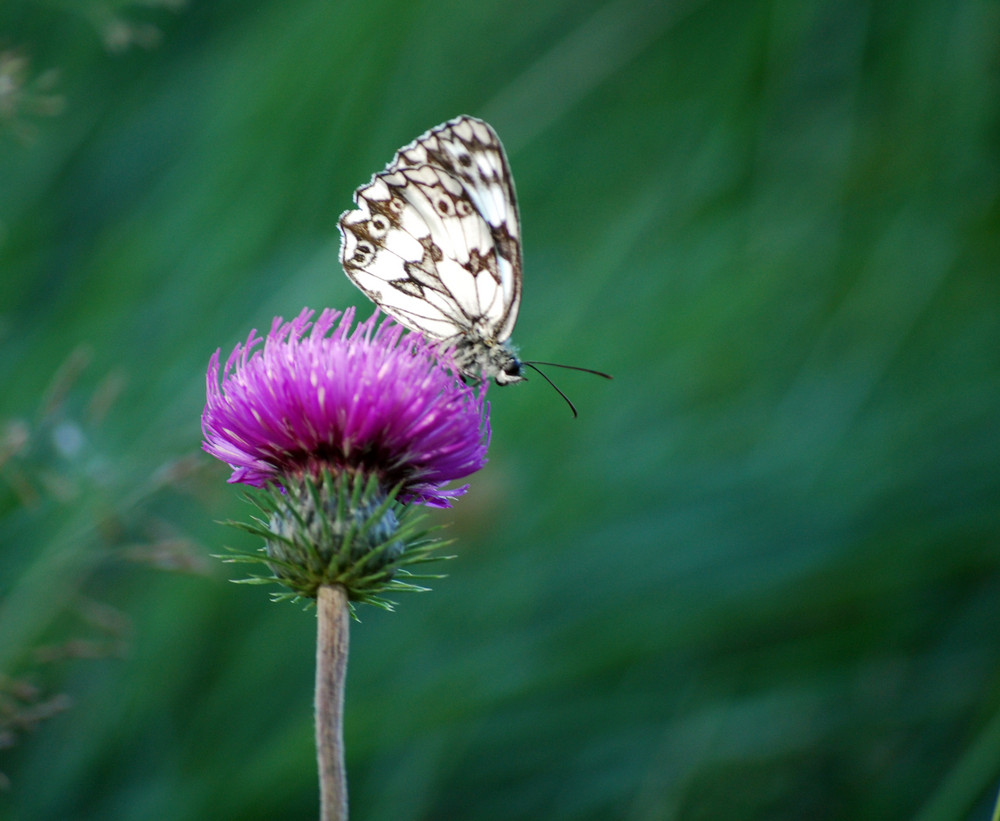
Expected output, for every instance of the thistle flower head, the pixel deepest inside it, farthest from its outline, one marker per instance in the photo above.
(346, 431)
(315, 397)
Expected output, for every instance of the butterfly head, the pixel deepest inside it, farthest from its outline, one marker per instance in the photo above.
(478, 358)
(511, 371)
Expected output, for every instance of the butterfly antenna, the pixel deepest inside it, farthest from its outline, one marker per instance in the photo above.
(572, 407)
(568, 367)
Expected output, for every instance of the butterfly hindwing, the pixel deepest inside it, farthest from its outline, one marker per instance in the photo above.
(435, 239)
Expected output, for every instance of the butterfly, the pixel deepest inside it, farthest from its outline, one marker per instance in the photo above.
(435, 242)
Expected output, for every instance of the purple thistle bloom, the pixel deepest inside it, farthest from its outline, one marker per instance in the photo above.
(371, 402)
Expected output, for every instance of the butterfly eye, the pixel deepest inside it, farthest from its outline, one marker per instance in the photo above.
(462, 208)
(510, 373)
(444, 206)
(465, 161)
(379, 225)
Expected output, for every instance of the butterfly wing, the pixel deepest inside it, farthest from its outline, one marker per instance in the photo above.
(435, 239)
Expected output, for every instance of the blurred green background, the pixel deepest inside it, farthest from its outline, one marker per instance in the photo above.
(758, 578)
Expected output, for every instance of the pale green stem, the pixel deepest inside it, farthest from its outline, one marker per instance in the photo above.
(333, 617)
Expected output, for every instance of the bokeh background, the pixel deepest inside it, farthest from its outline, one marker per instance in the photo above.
(758, 578)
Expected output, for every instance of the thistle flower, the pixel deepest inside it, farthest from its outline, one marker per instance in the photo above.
(345, 430)
(365, 402)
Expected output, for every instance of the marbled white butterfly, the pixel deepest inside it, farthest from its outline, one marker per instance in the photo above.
(435, 242)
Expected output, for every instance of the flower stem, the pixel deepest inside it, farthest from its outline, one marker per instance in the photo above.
(331, 671)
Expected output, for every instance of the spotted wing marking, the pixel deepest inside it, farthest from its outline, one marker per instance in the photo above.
(435, 240)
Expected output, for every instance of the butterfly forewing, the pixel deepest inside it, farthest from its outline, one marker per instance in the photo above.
(435, 239)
